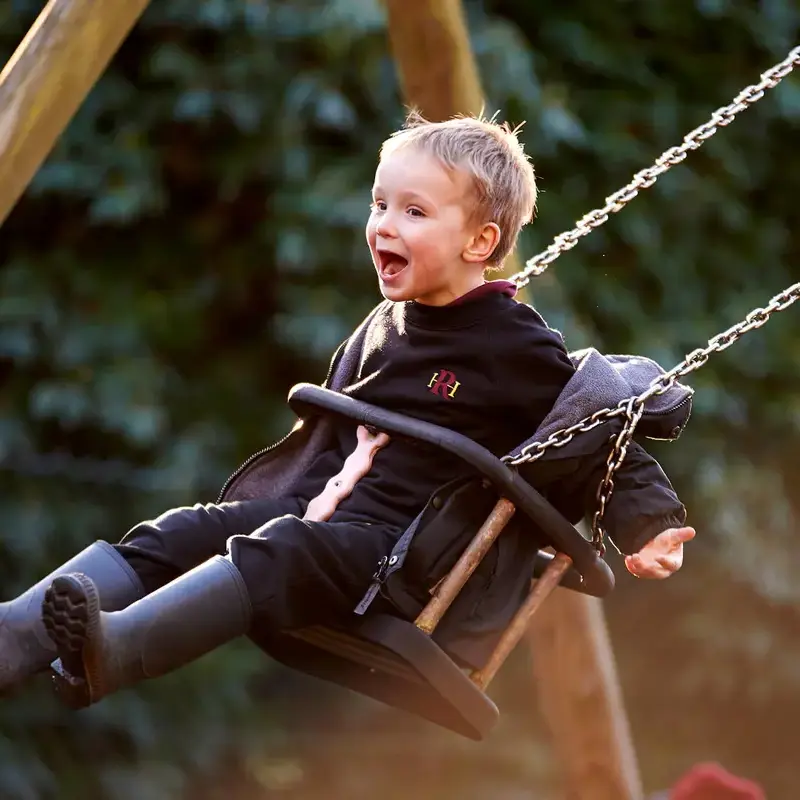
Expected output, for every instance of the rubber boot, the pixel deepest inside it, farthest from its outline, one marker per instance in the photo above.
(25, 647)
(100, 652)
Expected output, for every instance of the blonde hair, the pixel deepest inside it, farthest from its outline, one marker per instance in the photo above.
(502, 175)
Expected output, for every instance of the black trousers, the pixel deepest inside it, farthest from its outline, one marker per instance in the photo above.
(297, 573)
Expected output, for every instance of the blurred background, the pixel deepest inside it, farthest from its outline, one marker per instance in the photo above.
(194, 246)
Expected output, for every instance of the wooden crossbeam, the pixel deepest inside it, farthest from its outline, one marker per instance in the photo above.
(47, 79)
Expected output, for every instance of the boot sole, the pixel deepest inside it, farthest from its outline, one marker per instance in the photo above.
(71, 614)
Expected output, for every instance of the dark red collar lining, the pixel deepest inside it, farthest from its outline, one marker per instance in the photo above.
(489, 287)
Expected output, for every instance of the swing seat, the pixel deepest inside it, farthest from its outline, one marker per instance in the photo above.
(395, 661)
(392, 661)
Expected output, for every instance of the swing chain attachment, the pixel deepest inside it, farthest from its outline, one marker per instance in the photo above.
(647, 177)
(632, 409)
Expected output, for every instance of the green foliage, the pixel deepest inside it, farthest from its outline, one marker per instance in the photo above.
(194, 245)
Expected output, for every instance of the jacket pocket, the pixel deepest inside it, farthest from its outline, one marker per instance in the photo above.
(451, 519)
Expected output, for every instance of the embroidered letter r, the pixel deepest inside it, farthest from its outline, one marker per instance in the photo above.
(444, 383)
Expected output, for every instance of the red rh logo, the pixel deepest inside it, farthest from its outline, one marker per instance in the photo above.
(444, 383)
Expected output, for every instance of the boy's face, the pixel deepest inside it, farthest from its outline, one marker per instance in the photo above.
(422, 243)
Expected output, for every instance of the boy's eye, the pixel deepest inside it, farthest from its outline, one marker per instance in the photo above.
(380, 205)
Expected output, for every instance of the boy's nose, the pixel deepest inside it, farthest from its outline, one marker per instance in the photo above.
(386, 228)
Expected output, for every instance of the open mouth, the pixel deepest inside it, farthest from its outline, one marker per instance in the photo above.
(390, 265)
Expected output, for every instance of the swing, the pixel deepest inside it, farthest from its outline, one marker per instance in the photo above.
(398, 662)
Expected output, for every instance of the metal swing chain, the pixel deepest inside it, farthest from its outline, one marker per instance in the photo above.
(633, 408)
(647, 177)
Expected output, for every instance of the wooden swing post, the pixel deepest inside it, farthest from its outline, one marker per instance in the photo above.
(434, 59)
(47, 79)
(581, 699)
(435, 63)
(576, 680)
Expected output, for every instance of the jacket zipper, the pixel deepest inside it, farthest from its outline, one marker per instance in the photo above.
(249, 461)
(673, 409)
(245, 464)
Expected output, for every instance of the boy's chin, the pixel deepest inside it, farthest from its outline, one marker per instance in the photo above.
(395, 294)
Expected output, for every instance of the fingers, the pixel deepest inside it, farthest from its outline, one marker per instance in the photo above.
(637, 568)
(678, 536)
(378, 440)
(649, 572)
(657, 568)
(671, 563)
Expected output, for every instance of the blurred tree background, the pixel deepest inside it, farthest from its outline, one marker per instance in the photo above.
(194, 246)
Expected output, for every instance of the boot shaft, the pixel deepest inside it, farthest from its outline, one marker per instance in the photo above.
(25, 647)
(101, 652)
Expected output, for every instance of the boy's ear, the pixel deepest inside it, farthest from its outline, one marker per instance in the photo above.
(482, 244)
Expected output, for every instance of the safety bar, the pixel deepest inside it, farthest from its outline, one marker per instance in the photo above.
(597, 577)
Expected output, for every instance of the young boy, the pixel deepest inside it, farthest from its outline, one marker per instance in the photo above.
(446, 347)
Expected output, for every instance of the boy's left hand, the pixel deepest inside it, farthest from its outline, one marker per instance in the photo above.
(662, 556)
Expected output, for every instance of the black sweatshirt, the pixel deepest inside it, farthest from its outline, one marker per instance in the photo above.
(487, 367)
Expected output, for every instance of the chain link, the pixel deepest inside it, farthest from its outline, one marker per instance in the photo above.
(619, 449)
(647, 177)
(633, 408)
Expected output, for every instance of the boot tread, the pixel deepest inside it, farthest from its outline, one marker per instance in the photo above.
(69, 611)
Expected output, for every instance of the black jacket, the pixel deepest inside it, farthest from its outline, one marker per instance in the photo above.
(488, 367)
(643, 503)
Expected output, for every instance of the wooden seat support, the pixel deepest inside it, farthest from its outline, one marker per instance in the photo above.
(448, 588)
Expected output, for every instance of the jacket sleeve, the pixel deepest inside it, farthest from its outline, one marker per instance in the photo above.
(642, 505)
(531, 368)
